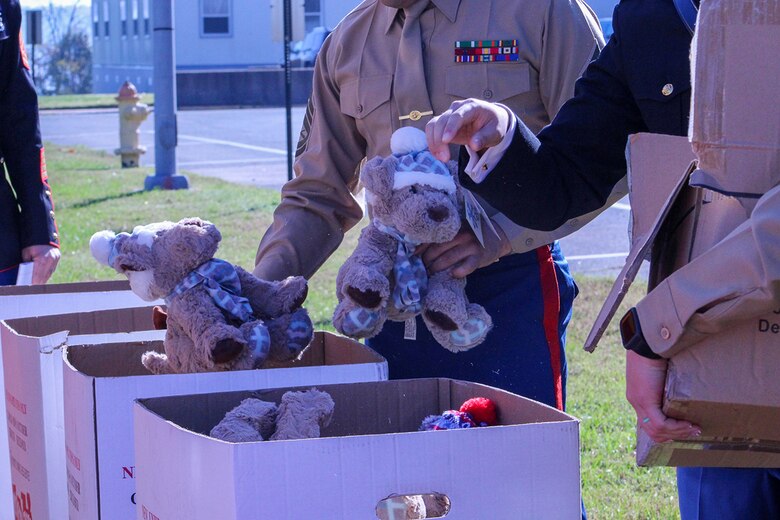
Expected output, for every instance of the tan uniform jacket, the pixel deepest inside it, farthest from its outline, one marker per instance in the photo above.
(354, 113)
(734, 275)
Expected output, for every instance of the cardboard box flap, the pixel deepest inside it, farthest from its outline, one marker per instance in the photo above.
(45, 344)
(114, 360)
(654, 164)
(640, 248)
(124, 359)
(98, 322)
(64, 288)
(397, 406)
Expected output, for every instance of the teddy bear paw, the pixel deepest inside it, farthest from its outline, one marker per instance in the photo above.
(470, 334)
(369, 299)
(299, 332)
(293, 292)
(441, 320)
(360, 323)
(226, 350)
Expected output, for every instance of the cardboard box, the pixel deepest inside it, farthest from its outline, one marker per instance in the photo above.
(101, 383)
(527, 468)
(726, 384)
(735, 119)
(33, 391)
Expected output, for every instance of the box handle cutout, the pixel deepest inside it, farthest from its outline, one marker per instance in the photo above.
(413, 507)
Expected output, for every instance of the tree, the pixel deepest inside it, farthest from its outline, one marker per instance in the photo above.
(67, 54)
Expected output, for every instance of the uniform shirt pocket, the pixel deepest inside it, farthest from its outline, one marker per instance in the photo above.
(488, 81)
(361, 96)
(664, 104)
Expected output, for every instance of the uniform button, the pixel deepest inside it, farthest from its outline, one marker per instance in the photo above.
(529, 242)
(55, 235)
(48, 193)
(665, 334)
(667, 89)
(487, 94)
(51, 213)
(360, 109)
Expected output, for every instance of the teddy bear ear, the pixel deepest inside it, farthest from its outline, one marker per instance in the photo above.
(377, 177)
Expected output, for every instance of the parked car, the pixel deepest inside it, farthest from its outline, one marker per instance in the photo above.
(304, 52)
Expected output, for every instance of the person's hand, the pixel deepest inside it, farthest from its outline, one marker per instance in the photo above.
(471, 122)
(44, 258)
(645, 379)
(464, 254)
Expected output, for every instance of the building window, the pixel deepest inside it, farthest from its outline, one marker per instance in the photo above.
(312, 14)
(146, 17)
(215, 16)
(134, 4)
(123, 16)
(106, 32)
(95, 19)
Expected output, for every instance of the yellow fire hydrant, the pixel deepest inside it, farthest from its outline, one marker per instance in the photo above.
(131, 114)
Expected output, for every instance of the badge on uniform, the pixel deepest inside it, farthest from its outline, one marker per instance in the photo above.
(485, 51)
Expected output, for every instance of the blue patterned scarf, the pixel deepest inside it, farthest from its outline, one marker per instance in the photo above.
(220, 280)
(411, 278)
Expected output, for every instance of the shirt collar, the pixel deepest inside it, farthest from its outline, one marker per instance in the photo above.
(448, 7)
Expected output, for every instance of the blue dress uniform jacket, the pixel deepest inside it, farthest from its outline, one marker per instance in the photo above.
(639, 83)
(26, 207)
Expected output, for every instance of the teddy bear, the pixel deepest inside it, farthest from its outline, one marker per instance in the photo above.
(300, 415)
(219, 316)
(413, 199)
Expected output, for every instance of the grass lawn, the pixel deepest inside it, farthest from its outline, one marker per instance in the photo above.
(92, 193)
(85, 101)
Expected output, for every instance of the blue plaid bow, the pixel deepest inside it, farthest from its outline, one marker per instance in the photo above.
(411, 278)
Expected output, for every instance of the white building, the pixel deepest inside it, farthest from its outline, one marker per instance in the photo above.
(212, 36)
(228, 52)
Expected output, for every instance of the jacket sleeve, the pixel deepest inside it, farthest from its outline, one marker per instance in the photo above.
(573, 165)
(317, 206)
(571, 38)
(20, 139)
(737, 279)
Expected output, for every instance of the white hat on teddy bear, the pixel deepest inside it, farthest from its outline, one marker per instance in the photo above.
(416, 165)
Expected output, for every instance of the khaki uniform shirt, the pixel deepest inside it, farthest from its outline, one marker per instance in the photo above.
(352, 114)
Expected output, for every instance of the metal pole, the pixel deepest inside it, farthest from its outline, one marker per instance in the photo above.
(288, 84)
(165, 131)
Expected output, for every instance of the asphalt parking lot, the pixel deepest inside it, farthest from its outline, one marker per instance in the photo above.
(248, 146)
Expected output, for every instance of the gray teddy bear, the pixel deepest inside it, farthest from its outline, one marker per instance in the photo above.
(220, 317)
(413, 199)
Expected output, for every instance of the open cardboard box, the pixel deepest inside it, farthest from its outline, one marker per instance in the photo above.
(44, 300)
(528, 467)
(34, 396)
(102, 381)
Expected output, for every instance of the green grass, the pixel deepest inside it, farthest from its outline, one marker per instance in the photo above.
(93, 193)
(85, 101)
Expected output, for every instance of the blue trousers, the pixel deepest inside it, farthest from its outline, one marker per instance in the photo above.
(529, 297)
(729, 493)
(8, 277)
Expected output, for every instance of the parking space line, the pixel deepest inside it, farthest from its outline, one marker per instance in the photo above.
(234, 144)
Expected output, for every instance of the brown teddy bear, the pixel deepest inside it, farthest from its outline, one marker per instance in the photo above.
(413, 199)
(300, 415)
(220, 317)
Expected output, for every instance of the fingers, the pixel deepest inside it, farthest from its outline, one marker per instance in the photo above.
(45, 260)
(661, 428)
(440, 257)
(469, 122)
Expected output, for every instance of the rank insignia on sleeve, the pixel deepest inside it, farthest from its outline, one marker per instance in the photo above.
(484, 51)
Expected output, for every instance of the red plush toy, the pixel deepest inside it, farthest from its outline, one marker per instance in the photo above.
(477, 411)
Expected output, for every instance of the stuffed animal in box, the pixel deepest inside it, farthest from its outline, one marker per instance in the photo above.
(477, 411)
(220, 317)
(300, 415)
(414, 199)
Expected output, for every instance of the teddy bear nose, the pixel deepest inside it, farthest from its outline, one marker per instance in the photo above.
(438, 213)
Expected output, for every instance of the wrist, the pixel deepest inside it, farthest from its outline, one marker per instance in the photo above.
(631, 334)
